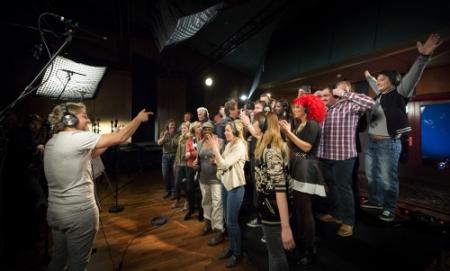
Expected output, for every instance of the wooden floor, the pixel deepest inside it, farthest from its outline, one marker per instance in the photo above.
(177, 245)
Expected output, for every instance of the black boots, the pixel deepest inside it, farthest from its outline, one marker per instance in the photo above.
(225, 254)
(217, 238)
(200, 215)
(188, 216)
(232, 260)
(207, 228)
(308, 258)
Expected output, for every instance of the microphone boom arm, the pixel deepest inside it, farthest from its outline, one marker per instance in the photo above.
(29, 87)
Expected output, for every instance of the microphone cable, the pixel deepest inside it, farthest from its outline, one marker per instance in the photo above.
(91, 174)
(107, 243)
(141, 233)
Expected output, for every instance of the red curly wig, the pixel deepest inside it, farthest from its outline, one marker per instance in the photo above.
(316, 108)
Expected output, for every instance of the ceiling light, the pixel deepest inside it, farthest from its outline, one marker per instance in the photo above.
(208, 81)
(243, 97)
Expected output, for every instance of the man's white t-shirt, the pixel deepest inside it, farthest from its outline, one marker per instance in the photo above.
(67, 165)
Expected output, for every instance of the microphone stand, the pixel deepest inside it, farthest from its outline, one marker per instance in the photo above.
(116, 208)
(69, 77)
(28, 90)
(5, 111)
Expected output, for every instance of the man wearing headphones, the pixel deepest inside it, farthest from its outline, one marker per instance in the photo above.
(203, 114)
(388, 121)
(232, 113)
(72, 211)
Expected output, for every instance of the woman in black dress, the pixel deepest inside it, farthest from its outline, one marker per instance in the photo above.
(309, 112)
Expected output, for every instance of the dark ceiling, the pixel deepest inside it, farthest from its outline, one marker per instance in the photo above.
(238, 36)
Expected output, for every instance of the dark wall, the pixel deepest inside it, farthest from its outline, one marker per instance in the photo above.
(144, 94)
(333, 33)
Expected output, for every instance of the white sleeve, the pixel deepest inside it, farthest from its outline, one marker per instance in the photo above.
(87, 140)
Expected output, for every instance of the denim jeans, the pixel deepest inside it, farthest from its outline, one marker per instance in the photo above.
(338, 174)
(382, 172)
(277, 256)
(167, 172)
(232, 201)
(73, 231)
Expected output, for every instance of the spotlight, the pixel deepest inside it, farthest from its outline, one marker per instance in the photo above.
(208, 81)
(243, 97)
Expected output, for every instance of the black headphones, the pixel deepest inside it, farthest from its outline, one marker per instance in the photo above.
(285, 105)
(394, 76)
(306, 109)
(68, 119)
(397, 78)
(262, 123)
(234, 129)
(205, 110)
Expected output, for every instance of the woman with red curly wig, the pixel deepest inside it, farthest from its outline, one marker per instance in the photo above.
(309, 112)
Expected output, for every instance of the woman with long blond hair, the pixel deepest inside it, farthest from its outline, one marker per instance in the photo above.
(271, 157)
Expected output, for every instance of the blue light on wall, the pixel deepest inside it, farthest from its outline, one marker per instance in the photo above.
(435, 124)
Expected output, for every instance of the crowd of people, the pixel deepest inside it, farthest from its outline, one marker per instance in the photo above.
(298, 160)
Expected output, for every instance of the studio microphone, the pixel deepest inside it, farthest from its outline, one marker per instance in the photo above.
(70, 23)
(72, 72)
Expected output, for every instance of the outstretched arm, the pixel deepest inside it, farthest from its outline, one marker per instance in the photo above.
(410, 80)
(108, 140)
(372, 81)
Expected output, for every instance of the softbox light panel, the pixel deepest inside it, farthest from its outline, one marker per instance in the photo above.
(81, 80)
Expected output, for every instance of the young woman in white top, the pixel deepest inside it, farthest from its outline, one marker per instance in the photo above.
(230, 169)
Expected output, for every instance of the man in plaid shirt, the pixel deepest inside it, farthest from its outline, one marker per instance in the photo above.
(337, 153)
